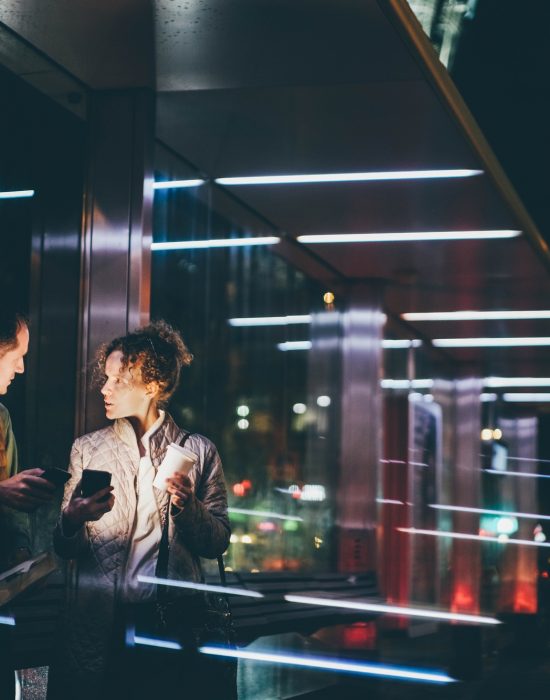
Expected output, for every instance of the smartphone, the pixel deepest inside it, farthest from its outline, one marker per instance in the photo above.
(56, 476)
(93, 480)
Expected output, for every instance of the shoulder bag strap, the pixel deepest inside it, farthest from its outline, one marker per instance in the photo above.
(161, 570)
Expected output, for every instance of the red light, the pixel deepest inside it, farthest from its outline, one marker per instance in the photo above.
(544, 574)
(247, 484)
(238, 489)
(361, 635)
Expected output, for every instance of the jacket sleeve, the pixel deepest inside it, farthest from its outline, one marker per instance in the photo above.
(18, 523)
(203, 522)
(70, 547)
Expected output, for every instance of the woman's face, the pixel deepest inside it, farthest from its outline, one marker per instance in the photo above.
(124, 392)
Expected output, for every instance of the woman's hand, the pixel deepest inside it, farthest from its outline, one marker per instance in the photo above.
(180, 488)
(80, 510)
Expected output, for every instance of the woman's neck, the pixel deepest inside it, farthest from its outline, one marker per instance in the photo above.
(141, 423)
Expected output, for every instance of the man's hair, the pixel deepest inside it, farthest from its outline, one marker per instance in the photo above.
(11, 321)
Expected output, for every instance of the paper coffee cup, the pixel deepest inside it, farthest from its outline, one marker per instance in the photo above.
(177, 460)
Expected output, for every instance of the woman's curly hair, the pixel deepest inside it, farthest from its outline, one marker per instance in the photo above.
(158, 350)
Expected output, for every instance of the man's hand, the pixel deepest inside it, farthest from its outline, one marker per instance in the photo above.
(26, 491)
(79, 510)
(180, 488)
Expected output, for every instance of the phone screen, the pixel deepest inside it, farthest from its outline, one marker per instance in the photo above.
(93, 480)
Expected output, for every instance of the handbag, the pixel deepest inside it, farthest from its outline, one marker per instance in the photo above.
(197, 619)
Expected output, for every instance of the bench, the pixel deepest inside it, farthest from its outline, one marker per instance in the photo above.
(257, 617)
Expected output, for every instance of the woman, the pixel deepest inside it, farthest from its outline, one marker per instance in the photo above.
(116, 533)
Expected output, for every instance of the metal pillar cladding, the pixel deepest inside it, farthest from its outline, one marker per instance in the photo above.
(361, 428)
(117, 231)
(518, 564)
(466, 490)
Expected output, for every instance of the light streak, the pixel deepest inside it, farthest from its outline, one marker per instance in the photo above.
(405, 236)
(328, 664)
(405, 611)
(228, 590)
(466, 536)
(266, 513)
(215, 243)
(489, 511)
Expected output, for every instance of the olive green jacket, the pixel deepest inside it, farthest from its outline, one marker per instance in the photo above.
(14, 525)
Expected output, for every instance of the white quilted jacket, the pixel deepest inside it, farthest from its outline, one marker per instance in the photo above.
(201, 529)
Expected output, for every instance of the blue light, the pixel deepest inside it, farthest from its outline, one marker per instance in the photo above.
(328, 664)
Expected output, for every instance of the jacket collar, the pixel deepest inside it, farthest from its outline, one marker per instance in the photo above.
(124, 430)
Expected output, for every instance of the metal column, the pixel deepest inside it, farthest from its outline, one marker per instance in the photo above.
(117, 235)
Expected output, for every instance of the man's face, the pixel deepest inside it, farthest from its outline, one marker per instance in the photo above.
(11, 362)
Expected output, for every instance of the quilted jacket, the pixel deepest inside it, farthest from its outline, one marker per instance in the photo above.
(100, 548)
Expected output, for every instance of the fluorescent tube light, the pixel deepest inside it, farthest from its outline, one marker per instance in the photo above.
(466, 536)
(228, 590)
(7, 620)
(269, 321)
(405, 236)
(393, 609)
(488, 511)
(406, 384)
(491, 342)
(215, 243)
(140, 640)
(389, 344)
(294, 345)
(328, 664)
(527, 397)
(347, 177)
(475, 315)
(17, 194)
(497, 382)
(177, 184)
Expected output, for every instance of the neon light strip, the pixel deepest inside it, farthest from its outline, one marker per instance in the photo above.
(7, 620)
(177, 184)
(405, 236)
(490, 342)
(17, 194)
(266, 514)
(390, 501)
(199, 586)
(507, 473)
(215, 243)
(269, 321)
(465, 536)
(488, 511)
(347, 177)
(474, 315)
(327, 664)
(393, 609)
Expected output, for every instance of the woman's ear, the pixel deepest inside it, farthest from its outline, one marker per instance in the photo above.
(152, 389)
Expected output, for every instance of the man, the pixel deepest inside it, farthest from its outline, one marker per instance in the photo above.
(20, 492)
